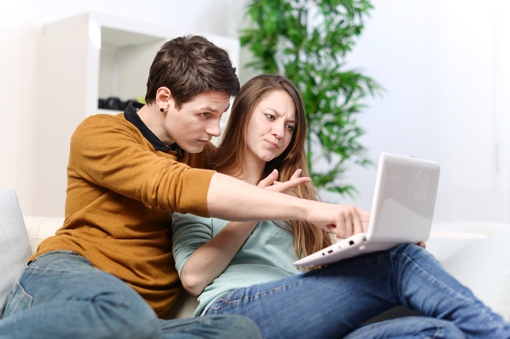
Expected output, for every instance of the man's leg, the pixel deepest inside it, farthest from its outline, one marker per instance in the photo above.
(61, 295)
(221, 327)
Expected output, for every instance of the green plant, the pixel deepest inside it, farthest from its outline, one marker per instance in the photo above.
(307, 41)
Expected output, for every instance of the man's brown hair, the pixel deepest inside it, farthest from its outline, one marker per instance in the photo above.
(189, 66)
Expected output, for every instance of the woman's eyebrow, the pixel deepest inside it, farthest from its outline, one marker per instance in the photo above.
(280, 114)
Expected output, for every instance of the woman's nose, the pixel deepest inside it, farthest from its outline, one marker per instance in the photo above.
(278, 131)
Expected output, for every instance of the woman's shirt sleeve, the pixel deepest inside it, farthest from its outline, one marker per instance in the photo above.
(189, 232)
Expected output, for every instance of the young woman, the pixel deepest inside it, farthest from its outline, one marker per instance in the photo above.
(247, 268)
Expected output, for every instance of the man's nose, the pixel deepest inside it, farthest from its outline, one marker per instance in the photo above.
(214, 128)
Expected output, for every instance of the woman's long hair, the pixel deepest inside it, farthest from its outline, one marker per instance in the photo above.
(308, 238)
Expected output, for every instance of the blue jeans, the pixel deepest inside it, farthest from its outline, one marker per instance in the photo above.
(61, 295)
(334, 301)
(407, 328)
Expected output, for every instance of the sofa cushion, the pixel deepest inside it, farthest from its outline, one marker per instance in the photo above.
(13, 242)
(482, 264)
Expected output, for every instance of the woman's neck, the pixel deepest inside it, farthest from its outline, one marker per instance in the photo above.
(251, 171)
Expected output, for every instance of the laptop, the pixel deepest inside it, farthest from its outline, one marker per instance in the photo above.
(402, 210)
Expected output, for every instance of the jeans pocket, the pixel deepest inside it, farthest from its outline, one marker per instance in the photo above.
(18, 300)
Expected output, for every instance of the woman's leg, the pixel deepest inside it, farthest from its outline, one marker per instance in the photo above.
(335, 300)
(423, 285)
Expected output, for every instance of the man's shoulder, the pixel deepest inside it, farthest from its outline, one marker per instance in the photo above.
(100, 123)
(104, 129)
(105, 118)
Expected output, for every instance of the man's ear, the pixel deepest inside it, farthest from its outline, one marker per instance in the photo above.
(163, 97)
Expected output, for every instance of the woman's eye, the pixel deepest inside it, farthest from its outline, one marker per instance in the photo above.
(290, 128)
(270, 116)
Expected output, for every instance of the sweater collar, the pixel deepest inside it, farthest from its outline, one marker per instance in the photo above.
(131, 115)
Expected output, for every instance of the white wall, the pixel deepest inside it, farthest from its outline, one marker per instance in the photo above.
(445, 66)
(443, 63)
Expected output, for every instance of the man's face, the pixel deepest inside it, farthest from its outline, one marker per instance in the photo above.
(198, 120)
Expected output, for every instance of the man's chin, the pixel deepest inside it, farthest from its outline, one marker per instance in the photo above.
(194, 149)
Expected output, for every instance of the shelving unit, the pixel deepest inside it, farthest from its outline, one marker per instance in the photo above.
(84, 58)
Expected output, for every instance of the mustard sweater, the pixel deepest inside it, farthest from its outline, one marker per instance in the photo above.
(119, 197)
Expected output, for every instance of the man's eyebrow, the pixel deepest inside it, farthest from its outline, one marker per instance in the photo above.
(208, 108)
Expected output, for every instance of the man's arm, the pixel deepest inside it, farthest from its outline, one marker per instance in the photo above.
(232, 199)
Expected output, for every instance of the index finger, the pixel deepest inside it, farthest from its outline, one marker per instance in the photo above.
(364, 217)
(357, 223)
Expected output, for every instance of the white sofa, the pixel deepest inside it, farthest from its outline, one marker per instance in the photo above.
(470, 251)
(476, 253)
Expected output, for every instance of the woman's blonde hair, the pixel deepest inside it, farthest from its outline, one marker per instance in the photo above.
(308, 238)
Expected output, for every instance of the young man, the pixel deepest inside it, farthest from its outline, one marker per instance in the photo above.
(109, 271)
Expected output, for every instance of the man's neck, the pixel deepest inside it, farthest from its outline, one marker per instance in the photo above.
(153, 119)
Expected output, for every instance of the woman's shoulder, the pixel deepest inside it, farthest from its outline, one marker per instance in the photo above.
(187, 222)
(179, 219)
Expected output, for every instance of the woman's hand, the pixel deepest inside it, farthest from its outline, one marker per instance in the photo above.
(270, 182)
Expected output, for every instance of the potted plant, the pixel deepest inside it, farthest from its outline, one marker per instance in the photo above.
(307, 41)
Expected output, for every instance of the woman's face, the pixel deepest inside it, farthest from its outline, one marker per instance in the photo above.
(270, 127)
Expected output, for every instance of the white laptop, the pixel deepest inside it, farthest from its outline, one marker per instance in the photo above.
(402, 210)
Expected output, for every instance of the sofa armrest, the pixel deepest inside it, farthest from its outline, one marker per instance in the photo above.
(40, 228)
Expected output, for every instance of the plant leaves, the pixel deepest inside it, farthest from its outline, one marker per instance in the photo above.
(307, 41)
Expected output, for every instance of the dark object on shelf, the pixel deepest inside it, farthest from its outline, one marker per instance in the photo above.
(114, 103)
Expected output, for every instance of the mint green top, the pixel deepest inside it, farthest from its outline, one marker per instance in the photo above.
(268, 254)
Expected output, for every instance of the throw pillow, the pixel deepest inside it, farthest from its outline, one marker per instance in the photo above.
(13, 242)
